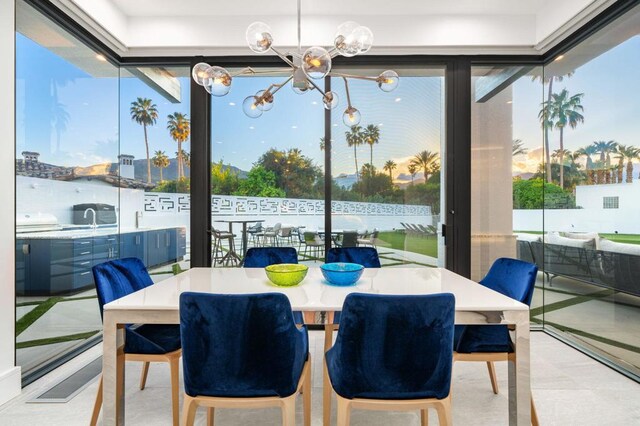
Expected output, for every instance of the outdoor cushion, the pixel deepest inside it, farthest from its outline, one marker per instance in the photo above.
(612, 246)
(555, 238)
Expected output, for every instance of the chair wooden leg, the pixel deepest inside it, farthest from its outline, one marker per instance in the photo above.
(289, 411)
(211, 414)
(443, 408)
(492, 375)
(344, 411)
(98, 404)
(306, 397)
(174, 365)
(328, 336)
(143, 376)
(189, 407)
(534, 414)
(309, 317)
(326, 396)
(424, 417)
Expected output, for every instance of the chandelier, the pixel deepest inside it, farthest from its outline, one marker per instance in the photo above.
(306, 68)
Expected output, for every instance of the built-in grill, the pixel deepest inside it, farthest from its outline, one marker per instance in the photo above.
(36, 222)
(105, 214)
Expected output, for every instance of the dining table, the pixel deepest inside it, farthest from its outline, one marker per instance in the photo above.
(159, 304)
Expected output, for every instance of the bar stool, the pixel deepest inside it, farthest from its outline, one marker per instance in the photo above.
(218, 255)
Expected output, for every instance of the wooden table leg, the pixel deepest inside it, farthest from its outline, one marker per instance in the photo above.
(112, 371)
(519, 371)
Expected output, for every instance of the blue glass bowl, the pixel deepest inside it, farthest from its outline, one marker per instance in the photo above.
(342, 274)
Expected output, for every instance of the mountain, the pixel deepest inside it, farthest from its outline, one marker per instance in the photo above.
(168, 173)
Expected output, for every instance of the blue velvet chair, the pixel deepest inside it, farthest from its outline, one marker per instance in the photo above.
(490, 343)
(243, 350)
(259, 257)
(393, 352)
(145, 342)
(365, 256)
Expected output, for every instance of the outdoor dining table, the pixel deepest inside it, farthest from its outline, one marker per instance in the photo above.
(243, 249)
(159, 304)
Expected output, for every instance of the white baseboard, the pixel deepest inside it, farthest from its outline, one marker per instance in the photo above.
(10, 384)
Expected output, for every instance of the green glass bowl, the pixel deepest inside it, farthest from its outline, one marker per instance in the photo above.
(286, 274)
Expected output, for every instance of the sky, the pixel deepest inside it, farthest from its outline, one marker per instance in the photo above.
(610, 83)
(98, 126)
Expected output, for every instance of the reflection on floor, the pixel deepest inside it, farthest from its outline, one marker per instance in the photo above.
(603, 319)
(569, 389)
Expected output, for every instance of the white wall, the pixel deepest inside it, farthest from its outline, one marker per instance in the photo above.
(9, 373)
(623, 221)
(590, 196)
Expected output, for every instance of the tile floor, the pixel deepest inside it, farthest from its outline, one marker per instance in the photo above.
(569, 389)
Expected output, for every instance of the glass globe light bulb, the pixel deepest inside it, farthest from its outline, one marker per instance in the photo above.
(218, 81)
(330, 100)
(259, 37)
(316, 62)
(250, 107)
(265, 100)
(364, 38)
(199, 72)
(351, 117)
(388, 80)
(345, 41)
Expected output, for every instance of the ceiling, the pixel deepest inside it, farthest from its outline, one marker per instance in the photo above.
(214, 27)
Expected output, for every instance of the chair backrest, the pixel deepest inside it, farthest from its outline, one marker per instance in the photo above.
(512, 277)
(259, 257)
(277, 227)
(349, 239)
(397, 345)
(365, 256)
(118, 278)
(240, 345)
(285, 232)
(300, 235)
(310, 237)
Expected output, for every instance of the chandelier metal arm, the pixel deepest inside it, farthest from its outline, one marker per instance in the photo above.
(316, 87)
(356, 77)
(346, 88)
(279, 86)
(252, 71)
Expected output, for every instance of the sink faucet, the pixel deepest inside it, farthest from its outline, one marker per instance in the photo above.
(94, 225)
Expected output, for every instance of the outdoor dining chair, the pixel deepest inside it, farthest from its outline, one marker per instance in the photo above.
(143, 342)
(243, 351)
(393, 353)
(490, 343)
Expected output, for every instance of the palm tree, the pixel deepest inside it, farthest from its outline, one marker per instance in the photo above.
(543, 116)
(604, 148)
(563, 110)
(587, 152)
(161, 161)
(354, 139)
(179, 129)
(425, 160)
(144, 111)
(518, 148)
(390, 166)
(371, 136)
(186, 158)
(629, 153)
(556, 155)
(412, 171)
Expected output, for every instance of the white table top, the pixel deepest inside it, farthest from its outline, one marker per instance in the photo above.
(313, 293)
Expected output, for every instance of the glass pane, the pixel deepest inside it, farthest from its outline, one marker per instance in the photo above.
(592, 238)
(507, 169)
(67, 197)
(154, 165)
(267, 172)
(387, 185)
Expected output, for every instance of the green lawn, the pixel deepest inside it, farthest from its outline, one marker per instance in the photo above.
(618, 238)
(400, 241)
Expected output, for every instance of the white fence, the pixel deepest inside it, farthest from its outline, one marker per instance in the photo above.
(623, 221)
(310, 213)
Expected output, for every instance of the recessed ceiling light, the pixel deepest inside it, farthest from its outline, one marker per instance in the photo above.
(559, 58)
(261, 141)
(509, 102)
(251, 127)
(219, 142)
(294, 127)
(381, 124)
(335, 125)
(101, 58)
(398, 99)
(232, 104)
(314, 103)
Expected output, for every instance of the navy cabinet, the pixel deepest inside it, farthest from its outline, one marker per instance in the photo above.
(50, 266)
(132, 244)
